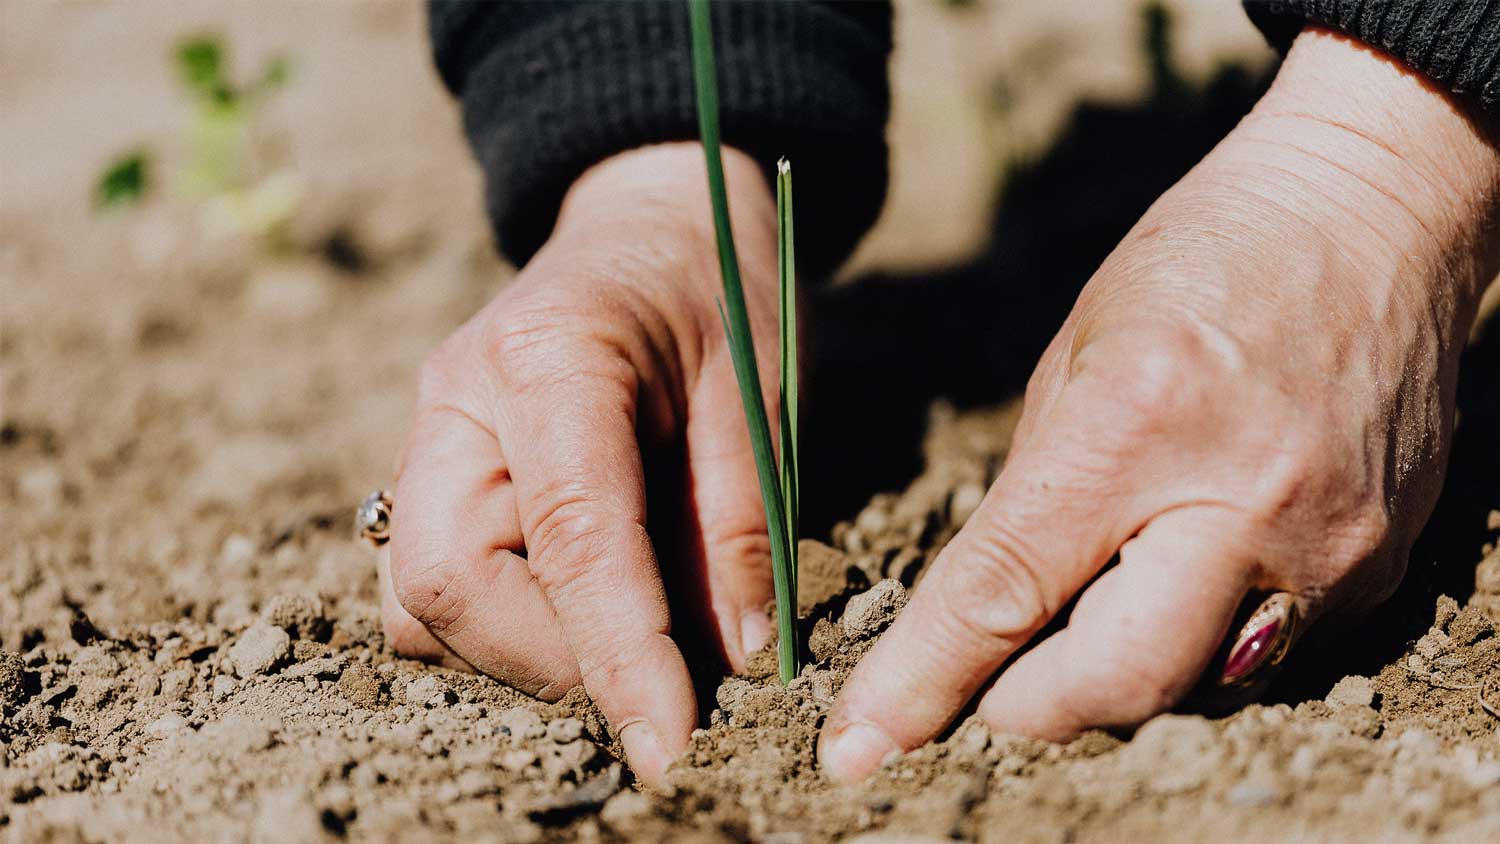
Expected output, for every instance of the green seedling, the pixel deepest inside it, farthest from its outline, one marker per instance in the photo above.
(221, 170)
(778, 479)
(124, 182)
(219, 135)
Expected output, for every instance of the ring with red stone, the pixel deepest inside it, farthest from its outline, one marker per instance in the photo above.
(1262, 642)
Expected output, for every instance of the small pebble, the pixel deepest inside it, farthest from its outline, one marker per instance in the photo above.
(1353, 690)
(577, 755)
(1174, 753)
(428, 691)
(237, 550)
(299, 615)
(259, 649)
(175, 684)
(12, 681)
(873, 520)
(362, 686)
(964, 502)
(167, 725)
(325, 666)
(522, 723)
(517, 760)
(565, 730)
(42, 486)
(870, 611)
(1254, 792)
(1478, 773)
(624, 808)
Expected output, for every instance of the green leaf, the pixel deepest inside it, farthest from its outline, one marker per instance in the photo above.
(124, 182)
(741, 342)
(200, 66)
(278, 71)
(786, 271)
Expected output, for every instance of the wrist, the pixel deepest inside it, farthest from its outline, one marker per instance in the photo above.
(645, 222)
(1387, 147)
(661, 191)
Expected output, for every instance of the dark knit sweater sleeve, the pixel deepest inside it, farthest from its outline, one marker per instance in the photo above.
(550, 88)
(1454, 42)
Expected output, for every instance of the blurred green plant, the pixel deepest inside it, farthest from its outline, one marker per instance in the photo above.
(124, 181)
(221, 169)
(223, 115)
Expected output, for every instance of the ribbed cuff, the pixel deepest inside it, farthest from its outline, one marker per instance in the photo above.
(1454, 42)
(550, 89)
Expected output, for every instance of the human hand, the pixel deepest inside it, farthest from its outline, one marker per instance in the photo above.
(518, 541)
(1254, 392)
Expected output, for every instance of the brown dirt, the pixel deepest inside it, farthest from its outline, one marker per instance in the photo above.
(295, 722)
(189, 645)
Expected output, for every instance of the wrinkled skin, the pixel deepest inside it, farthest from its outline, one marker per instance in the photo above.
(519, 544)
(1254, 392)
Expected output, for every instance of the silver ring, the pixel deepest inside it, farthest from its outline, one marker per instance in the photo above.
(373, 518)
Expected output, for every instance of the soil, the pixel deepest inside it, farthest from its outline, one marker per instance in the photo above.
(189, 643)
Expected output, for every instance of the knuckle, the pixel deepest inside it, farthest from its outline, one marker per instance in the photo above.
(571, 533)
(1368, 533)
(746, 548)
(1000, 594)
(1160, 381)
(1295, 474)
(425, 589)
(1164, 378)
(532, 327)
(1127, 689)
(545, 344)
(613, 668)
(1306, 482)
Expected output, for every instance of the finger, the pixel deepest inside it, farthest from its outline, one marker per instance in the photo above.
(1139, 637)
(405, 634)
(727, 518)
(454, 531)
(569, 427)
(1056, 514)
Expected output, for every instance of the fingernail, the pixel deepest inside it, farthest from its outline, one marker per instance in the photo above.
(755, 631)
(853, 751)
(645, 752)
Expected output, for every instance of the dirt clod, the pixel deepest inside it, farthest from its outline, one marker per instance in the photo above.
(428, 692)
(1353, 690)
(521, 723)
(301, 616)
(868, 613)
(13, 681)
(362, 686)
(259, 649)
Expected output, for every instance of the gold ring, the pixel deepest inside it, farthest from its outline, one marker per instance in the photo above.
(1262, 642)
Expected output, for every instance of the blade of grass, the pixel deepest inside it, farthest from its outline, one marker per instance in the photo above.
(786, 264)
(741, 342)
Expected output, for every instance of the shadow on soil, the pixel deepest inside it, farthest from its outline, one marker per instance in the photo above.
(887, 345)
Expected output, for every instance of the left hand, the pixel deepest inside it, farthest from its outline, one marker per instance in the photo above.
(1254, 392)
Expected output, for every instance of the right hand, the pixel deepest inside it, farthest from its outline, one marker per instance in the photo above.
(518, 543)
